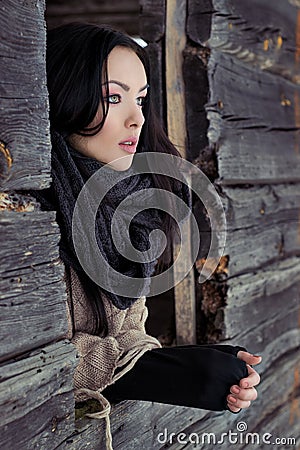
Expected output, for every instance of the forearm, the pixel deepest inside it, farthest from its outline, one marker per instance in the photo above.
(195, 376)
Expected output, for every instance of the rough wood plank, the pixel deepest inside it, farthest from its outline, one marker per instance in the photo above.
(36, 399)
(269, 205)
(185, 310)
(254, 248)
(121, 15)
(185, 301)
(156, 83)
(23, 96)
(175, 44)
(30, 282)
(195, 75)
(254, 55)
(264, 120)
(262, 226)
(258, 33)
(259, 297)
(280, 325)
(199, 19)
(249, 308)
(152, 20)
(150, 418)
(152, 30)
(92, 6)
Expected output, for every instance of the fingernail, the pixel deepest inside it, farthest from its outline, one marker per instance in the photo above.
(245, 384)
(235, 389)
(256, 356)
(232, 399)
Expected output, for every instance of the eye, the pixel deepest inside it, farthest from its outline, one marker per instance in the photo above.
(113, 98)
(141, 101)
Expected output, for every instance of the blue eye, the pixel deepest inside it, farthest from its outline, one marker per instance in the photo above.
(141, 101)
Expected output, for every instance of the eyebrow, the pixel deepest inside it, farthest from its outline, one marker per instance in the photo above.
(125, 86)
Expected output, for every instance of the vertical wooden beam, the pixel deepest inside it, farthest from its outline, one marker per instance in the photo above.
(175, 44)
(185, 304)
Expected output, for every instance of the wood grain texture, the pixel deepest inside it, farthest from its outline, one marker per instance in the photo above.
(198, 26)
(254, 56)
(175, 44)
(194, 68)
(258, 33)
(252, 312)
(185, 302)
(152, 30)
(36, 399)
(32, 299)
(120, 15)
(253, 159)
(152, 19)
(23, 96)
(154, 50)
(185, 309)
(259, 296)
(256, 139)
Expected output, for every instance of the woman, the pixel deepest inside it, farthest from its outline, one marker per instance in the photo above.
(100, 111)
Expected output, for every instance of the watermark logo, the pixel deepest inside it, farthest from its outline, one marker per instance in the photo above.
(93, 192)
(238, 436)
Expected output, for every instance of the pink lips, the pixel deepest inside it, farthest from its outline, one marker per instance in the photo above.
(129, 144)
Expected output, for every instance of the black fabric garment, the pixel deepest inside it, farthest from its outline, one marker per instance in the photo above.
(198, 376)
(70, 172)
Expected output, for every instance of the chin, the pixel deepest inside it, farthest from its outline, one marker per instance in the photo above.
(122, 164)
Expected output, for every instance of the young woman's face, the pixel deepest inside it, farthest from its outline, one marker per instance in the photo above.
(127, 87)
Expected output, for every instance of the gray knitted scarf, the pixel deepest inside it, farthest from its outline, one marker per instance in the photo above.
(70, 171)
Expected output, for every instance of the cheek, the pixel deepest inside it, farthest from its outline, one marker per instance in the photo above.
(111, 124)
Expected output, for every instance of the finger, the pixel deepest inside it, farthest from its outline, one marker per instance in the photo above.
(249, 358)
(233, 408)
(237, 403)
(253, 379)
(249, 394)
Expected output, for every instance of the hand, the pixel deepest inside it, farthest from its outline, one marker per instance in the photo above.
(243, 394)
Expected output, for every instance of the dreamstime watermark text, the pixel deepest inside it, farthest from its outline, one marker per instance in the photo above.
(238, 436)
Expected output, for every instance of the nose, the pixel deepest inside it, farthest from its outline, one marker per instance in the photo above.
(135, 117)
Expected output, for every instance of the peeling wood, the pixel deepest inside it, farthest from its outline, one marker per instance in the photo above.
(13, 201)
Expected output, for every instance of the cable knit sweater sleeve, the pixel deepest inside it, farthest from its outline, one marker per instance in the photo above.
(102, 361)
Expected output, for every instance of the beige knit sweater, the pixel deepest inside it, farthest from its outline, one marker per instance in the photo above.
(100, 358)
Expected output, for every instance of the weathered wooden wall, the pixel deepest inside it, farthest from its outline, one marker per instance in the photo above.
(121, 15)
(36, 368)
(253, 138)
(241, 72)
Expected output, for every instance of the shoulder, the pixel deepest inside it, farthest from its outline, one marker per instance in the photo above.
(118, 319)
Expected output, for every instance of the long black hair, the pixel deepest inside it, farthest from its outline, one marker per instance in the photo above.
(76, 69)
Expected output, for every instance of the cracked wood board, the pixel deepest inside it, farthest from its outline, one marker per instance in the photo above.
(32, 299)
(24, 134)
(37, 401)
